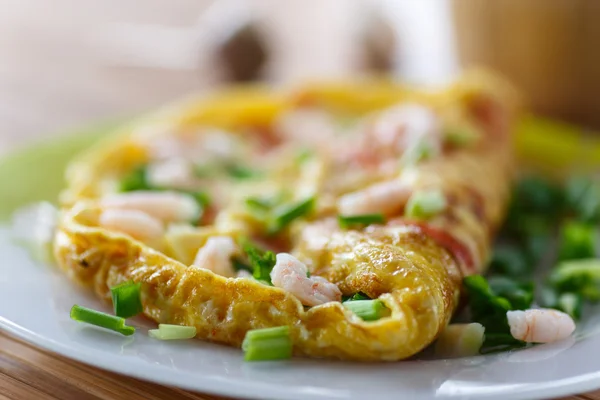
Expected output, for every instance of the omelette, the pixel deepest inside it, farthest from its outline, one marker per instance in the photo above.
(258, 208)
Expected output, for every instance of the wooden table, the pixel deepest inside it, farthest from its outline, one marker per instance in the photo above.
(60, 70)
(27, 372)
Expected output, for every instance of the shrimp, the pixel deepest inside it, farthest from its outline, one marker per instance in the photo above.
(289, 274)
(540, 325)
(135, 223)
(400, 128)
(307, 126)
(216, 255)
(174, 173)
(192, 145)
(385, 197)
(165, 206)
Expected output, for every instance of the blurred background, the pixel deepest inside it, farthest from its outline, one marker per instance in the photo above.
(65, 63)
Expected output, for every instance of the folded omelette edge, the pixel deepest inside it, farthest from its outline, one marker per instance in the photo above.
(417, 279)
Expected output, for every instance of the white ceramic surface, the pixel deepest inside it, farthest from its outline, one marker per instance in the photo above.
(35, 301)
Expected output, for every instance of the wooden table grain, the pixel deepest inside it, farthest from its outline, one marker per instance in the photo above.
(27, 372)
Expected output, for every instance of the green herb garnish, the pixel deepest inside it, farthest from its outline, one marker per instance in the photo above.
(356, 296)
(519, 294)
(172, 332)
(284, 215)
(489, 309)
(425, 203)
(261, 262)
(259, 204)
(240, 172)
(126, 299)
(268, 344)
(135, 180)
(538, 196)
(346, 222)
(103, 320)
(367, 310)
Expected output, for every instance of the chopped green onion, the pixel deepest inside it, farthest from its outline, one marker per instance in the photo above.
(460, 340)
(240, 172)
(259, 204)
(356, 296)
(425, 203)
(126, 299)
(135, 180)
(261, 262)
(93, 317)
(578, 276)
(367, 310)
(172, 332)
(510, 260)
(268, 344)
(578, 240)
(284, 215)
(366, 219)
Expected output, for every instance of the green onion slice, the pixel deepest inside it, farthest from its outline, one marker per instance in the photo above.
(365, 219)
(268, 344)
(356, 296)
(135, 180)
(259, 204)
(261, 262)
(103, 320)
(425, 203)
(368, 310)
(241, 172)
(126, 299)
(284, 215)
(172, 332)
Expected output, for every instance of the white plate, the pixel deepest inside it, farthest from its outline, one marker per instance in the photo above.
(35, 301)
